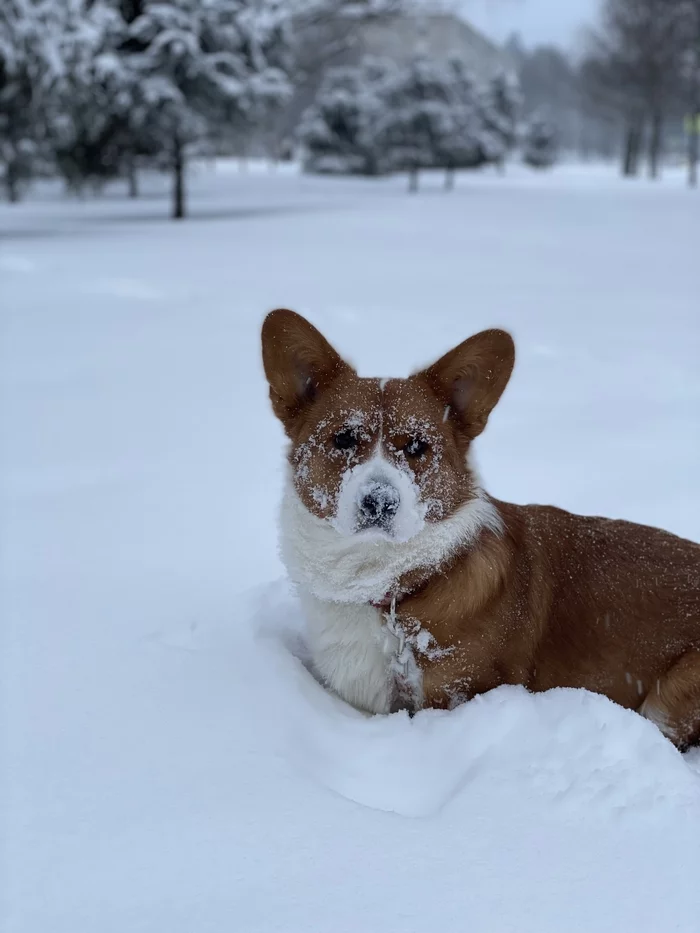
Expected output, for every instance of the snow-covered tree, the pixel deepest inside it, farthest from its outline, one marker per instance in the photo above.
(461, 144)
(90, 117)
(27, 63)
(540, 144)
(417, 118)
(339, 132)
(430, 113)
(141, 141)
(207, 67)
(434, 118)
(499, 105)
(324, 35)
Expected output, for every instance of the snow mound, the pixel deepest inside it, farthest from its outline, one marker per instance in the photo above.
(567, 749)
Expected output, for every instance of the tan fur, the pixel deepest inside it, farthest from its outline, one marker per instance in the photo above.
(556, 600)
(568, 601)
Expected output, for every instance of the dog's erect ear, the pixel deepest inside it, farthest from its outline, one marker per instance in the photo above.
(471, 378)
(299, 363)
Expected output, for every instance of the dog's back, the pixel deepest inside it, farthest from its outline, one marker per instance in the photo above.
(562, 600)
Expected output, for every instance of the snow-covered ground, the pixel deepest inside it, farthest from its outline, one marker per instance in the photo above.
(168, 763)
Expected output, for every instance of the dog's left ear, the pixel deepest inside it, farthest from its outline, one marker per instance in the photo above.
(471, 378)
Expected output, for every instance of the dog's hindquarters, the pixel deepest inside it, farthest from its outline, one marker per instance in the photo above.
(673, 704)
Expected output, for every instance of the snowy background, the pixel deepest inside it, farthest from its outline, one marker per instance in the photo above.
(168, 763)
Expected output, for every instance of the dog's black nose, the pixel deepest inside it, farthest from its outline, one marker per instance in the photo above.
(379, 503)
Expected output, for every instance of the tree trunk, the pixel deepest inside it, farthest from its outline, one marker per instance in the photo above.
(133, 177)
(694, 137)
(694, 149)
(655, 141)
(178, 181)
(633, 142)
(12, 181)
(449, 179)
(413, 180)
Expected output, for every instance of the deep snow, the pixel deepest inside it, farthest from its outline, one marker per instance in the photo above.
(168, 763)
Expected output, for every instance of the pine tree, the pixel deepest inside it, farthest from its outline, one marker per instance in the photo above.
(436, 117)
(540, 144)
(27, 63)
(460, 146)
(500, 103)
(207, 67)
(339, 131)
(91, 97)
(140, 140)
(426, 114)
(418, 118)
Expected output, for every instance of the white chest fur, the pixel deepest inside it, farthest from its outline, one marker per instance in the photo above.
(340, 576)
(354, 652)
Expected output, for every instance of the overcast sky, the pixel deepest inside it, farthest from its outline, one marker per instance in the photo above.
(558, 21)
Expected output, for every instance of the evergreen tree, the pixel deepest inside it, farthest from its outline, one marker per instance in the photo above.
(27, 63)
(426, 114)
(500, 104)
(435, 117)
(460, 146)
(91, 97)
(141, 141)
(205, 67)
(339, 131)
(540, 144)
(417, 118)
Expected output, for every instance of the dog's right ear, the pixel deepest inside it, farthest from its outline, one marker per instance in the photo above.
(299, 363)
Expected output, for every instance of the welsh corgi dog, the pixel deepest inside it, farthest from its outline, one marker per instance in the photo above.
(421, 590)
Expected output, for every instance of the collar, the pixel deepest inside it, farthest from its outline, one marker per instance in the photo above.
(386, 603)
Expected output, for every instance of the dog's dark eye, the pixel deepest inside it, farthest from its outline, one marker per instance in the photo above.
(345, 440)
(415, 448)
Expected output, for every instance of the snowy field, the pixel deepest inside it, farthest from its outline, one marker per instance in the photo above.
(168, 763)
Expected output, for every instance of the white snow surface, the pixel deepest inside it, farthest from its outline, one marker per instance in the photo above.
(168, 761)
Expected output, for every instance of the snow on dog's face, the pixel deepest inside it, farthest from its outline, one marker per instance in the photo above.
(381, 457)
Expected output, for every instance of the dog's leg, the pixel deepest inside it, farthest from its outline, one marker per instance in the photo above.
(673, 703)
